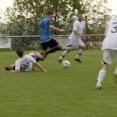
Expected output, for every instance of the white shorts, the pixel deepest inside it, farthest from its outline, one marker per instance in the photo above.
(108, 55)
(74, 42)
(32, 54)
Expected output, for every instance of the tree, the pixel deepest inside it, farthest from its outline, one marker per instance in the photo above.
(96, 14)
(35, 10)
(30, 12)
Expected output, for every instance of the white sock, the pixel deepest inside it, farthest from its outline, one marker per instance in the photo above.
(63, 54)
(79, 53)
(38, 55)
(101, 75)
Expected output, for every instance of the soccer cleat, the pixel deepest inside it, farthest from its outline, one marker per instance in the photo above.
(98, 86)
(59, 60)
(7, 68)
(78, 60)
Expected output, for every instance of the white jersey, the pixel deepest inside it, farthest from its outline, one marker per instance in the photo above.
(78, 26)
(110, 41)
(25, 63)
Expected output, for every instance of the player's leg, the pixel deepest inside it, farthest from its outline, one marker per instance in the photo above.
(63, 55)
(70, 44)
(11, 67)
(54, 45)
(106, 62)
(114, 55)
(37, 55)
(43, 53)
(101, 75)
(81, 49)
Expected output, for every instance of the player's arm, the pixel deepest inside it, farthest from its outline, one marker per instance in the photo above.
(15, 71)
(17, 67)
(54, 28)
(40, 67)
(75, 26)
(37, 64)
(77, 33)
(84, 33)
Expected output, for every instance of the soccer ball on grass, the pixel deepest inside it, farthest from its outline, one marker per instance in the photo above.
(65, 63)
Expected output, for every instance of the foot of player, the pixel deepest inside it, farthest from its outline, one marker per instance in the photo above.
(78, 60)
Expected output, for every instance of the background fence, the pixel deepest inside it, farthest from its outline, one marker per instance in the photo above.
(32, 41)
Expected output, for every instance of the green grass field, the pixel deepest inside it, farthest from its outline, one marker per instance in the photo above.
(59, 92)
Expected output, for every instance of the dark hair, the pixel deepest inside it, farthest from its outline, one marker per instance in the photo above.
(20, 52)
(49, 13)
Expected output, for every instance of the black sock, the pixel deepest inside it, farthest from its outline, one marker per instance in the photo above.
(38, 59)
(53, 50)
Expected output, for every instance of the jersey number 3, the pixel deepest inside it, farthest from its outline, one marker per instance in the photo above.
(114, 28)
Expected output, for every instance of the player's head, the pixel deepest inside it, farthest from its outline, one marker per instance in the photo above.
(80, 16)
(49, 14)
(20, 52)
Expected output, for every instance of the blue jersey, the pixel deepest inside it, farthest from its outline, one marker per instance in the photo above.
(45, 31)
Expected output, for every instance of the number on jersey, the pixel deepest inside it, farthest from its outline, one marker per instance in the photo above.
(114, 28)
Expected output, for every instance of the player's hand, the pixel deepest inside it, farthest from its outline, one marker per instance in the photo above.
(61, 30)
(82, 36)
(44, 70)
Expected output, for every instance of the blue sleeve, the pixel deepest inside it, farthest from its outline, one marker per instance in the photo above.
(49, 22)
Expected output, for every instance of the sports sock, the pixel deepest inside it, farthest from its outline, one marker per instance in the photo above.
(53, 50)
(79, 53)
(39, 55)
(101, 75)
(63, 54)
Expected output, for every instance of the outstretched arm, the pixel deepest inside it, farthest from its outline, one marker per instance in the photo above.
(15, 71)
(54, 28)
(40, 67)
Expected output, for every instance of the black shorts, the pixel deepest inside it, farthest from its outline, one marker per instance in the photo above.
(52, 43)
(13, 67)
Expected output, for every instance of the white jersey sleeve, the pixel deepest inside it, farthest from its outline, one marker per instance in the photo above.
(75, 26)
(84, 26)
(17, 65)
(106, 30)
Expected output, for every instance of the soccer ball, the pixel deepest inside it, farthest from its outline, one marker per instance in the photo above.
(65, 63)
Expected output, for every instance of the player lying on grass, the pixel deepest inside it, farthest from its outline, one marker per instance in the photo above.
(25, 62)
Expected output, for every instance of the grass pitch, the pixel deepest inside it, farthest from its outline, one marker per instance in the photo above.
(59, 92)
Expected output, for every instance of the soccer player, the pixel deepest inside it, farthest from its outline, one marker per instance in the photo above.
(109, 48)
(25, 62)
(46, 39)
(75, 38)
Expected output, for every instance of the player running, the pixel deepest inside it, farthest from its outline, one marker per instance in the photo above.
(25, 62)
(109, 48)
(46, 39)
(74, 39)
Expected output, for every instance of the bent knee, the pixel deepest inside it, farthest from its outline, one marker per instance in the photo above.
(60, 45)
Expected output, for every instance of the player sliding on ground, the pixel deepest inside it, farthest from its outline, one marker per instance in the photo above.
(25, 62)
(45, 27)
(75, 39)
(109, 48)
